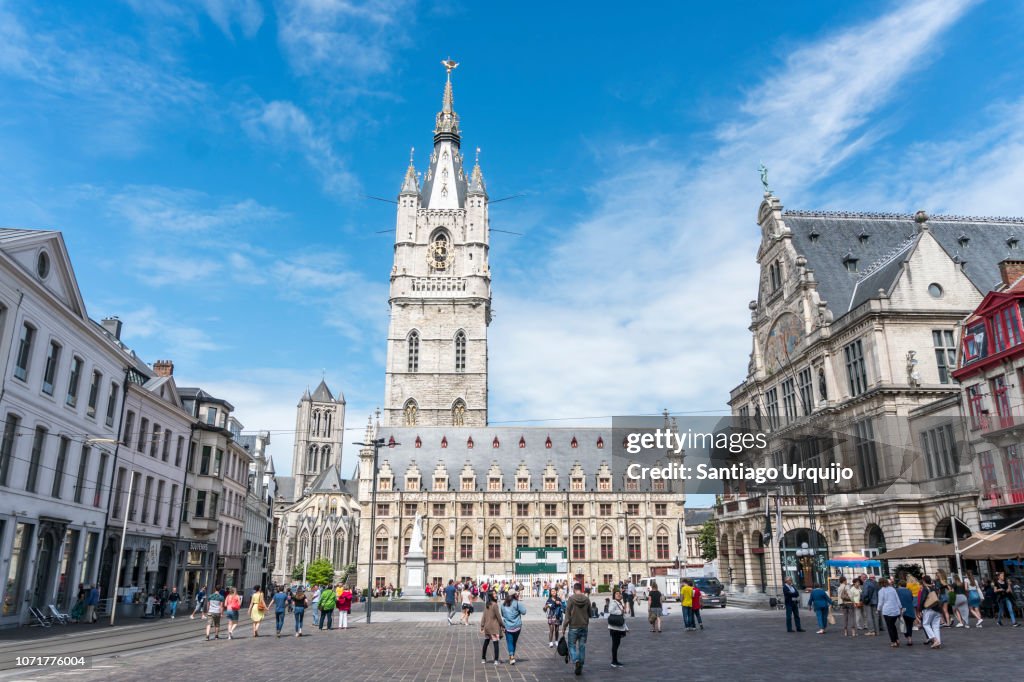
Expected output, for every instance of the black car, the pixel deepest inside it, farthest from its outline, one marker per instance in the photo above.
(712, 592)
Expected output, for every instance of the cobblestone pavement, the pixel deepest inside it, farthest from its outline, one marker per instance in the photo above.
(736, 645)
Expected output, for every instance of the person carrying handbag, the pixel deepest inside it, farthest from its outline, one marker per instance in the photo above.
(491, 627)
(846, 605)
(617, 627)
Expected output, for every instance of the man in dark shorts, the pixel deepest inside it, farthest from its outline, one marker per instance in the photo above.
(214, 608)
(449, 599)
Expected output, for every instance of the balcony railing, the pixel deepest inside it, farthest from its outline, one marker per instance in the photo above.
(1002, 497)
(757, 503)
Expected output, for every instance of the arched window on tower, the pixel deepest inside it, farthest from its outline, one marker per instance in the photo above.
(460, 351)
(410, 412)
(311, 459)
(314, 423)
(459, 413)
(327, 424)
(325, 457)
(414, 351)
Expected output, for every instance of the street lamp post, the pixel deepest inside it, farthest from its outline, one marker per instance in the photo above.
(376, 444)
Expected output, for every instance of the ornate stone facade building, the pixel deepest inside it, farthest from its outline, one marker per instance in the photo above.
(484, 491)
(315, 511)
(853, 347)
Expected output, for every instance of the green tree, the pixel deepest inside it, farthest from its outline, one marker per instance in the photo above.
(708, 540)
(320, 572)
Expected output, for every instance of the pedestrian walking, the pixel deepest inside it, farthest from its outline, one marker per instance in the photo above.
(214, 609)
(1004, 599)
(974, 598)
(791, 599)
(449, 599)
(512, 612)
(820, 603)
(890, 609)
(257, 609)
(344, 607)
(232, 605)
(467, 603)
(200, 606)
(280, 601)
(697, 596)
(908, 609)
(328, 600)
(491, 627)
(299, 604)
(577, 624)
(617, 627)
(172, 602)
(654, 608)
(555, 608)
(164, 594)
(930, 604)
(315, 605)
(630, 597)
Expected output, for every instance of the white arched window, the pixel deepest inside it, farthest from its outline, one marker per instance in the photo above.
(460, 351)
(414, 352)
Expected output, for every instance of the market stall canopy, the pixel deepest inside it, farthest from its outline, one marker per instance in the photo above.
(919, 550)
(853, 559)
(1004, 545)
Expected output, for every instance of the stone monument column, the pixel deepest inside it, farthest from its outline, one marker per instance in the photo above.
(415, 564)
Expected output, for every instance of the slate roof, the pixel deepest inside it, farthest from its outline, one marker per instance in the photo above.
(508, 456)
(826, 237)
(322, 394)
(286, 488)
(697, 516)
(331, 481)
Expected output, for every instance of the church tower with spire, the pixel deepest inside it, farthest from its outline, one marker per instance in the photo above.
(440, 288)
(319, 435)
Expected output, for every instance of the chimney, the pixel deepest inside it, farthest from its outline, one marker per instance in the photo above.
(113, 326)
(1010, 271)
(163, 368)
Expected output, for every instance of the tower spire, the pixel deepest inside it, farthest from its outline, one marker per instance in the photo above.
(446, 126)
(411, 184)
(476, 179)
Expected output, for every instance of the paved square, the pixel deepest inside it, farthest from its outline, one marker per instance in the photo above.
(736, 645)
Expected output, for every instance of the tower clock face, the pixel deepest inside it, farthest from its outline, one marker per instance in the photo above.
(439, 254)
(783, 342)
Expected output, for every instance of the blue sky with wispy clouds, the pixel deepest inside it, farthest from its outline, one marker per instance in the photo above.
(206, 161)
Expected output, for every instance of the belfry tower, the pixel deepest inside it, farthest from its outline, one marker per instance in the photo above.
(440, 288)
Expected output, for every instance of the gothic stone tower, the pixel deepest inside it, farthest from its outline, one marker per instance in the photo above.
(319, 435)
(440, 289)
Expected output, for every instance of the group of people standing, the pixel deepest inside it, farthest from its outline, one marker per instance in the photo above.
(907, 603)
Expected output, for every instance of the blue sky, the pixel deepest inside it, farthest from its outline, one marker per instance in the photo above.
(207, 160)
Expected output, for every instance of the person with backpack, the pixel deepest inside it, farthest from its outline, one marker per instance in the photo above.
(344, 606)
(299, 604)
(929, 603)
(577, 623)
(232, 605)
(328, 600)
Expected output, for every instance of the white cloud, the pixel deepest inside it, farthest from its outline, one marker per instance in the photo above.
(341, 40)
(154, 209)
(247, 14)
(112, 89)
(287, 127)
(185, 344)
(642, 305)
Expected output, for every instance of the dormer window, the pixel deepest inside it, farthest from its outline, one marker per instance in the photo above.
(550, 483)
(604, 483)
(440, 483)
(1012, 243)
(577, 483)
(574, 443)
(494, 483)
(469, 442)
(963, 240)
(522, 483)
(412, 483)
(600, 443)
(547, 443)
(467, 484)
(813, 235)
(495, 443)
(850, 262)
(863, 237)
(384, 483)
(522, 442)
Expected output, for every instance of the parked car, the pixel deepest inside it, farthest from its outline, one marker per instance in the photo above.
(712, 592)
